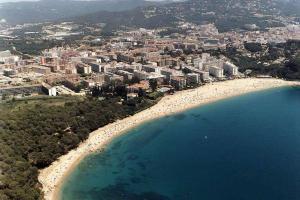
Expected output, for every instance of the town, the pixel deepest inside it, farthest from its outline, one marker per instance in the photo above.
(135, 60)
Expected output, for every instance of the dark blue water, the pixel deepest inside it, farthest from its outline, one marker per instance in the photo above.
(243, 148)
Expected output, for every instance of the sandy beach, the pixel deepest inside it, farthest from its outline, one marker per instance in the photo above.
(52, 177)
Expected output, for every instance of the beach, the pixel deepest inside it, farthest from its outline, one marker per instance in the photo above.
(52, 177)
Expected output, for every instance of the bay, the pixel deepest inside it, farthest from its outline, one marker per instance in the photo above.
(241, 148)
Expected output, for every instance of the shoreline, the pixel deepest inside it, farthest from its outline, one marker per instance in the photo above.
(53, 176)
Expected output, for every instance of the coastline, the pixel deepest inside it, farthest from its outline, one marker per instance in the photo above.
(53, 176)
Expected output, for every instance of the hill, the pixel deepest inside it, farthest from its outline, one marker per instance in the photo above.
(226, 14)
(51, 10)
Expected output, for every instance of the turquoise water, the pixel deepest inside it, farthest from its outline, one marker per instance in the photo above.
(242, 148)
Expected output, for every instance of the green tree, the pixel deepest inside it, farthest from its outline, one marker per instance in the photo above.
(153, 84)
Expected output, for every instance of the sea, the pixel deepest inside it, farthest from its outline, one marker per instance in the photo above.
(241, 148)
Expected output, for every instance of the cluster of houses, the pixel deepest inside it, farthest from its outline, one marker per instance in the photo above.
(129, 59)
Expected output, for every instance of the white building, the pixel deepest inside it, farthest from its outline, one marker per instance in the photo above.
(198, 63)
(204, 76)
(7, 58)
(141, 75)
(62, 90)
(230, 69)
(51, 91)
(216, 71)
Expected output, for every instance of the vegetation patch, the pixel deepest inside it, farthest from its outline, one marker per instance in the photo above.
(34, 132)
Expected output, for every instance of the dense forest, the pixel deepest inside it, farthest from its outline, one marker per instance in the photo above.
(34, 132)
(291, 70)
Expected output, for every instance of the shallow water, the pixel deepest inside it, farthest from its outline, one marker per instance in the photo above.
(242, 148)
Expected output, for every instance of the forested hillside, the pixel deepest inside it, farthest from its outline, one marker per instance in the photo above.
(226, 14)
(35, 132)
